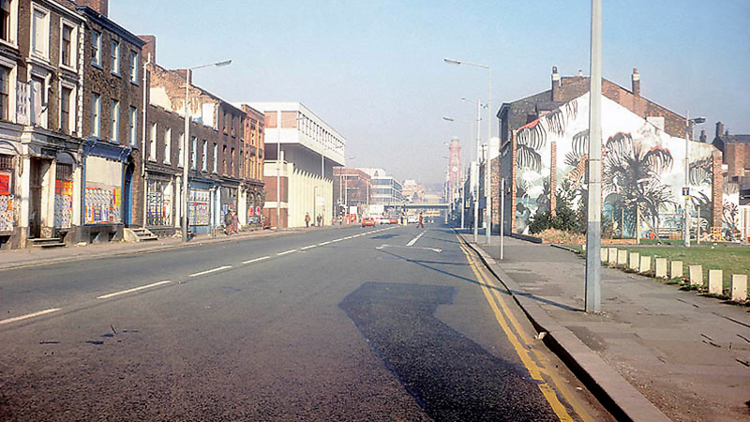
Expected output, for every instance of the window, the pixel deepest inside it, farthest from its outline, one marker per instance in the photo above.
(96, 48)
(216, 157)
(194, 155)
(232, 164)
(40, 32)
(168, 146)
(66, 49)
(96, 113)
(37, 103)
(115, 57)
(180, 148)
(4, 93)
(134, 67)
(132, 125)
(6, 14)
(204, 158)
(224, 158)
(66, 96)
(152, 143)
(114, 129)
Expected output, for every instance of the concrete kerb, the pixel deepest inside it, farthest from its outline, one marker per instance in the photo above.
(618, 396)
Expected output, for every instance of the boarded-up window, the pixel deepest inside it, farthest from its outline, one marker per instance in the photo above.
(271, 119)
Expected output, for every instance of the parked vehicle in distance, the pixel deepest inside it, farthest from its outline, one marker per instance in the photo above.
(412, 219)
(393, 220)
(368, 221)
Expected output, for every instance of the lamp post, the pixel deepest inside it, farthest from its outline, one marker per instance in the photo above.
(185, 151)
(593, 301)
(686, 193)
(487, 190)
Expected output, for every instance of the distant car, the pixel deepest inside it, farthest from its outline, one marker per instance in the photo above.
(368, 221)
(412, 219)
(393, 220)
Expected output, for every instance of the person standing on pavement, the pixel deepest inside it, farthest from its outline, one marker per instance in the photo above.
(228, 222)
(421, 222)
(307, 219)
(235, 222)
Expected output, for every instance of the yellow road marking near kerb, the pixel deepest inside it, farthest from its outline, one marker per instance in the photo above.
(534, 370)
(27, 316)
(136, 289)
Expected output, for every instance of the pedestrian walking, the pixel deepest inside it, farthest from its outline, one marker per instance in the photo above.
(228, 222)
(421, 222)
(235, 222)
(320, 220)
(307, 219)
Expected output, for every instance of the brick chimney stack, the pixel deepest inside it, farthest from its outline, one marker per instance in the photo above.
(703, 138)
(556, 94)
(636, 79)
(719, 129)
(149, 47)
(101, 6)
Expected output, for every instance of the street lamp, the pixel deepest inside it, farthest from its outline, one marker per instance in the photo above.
(686, 191)
(488, 197)
(186, 149)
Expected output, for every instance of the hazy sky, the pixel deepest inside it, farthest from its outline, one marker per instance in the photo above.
(374, 70)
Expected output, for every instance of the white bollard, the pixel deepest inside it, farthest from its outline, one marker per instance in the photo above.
(675, 269)
(661, 267)
(622, 258)
(696, 275)
(612, 257)
(633, 261)
(739, 287)
(605, 255)
(715, 282)
(645, 264)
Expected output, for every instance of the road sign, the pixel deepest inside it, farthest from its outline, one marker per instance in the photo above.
(686, 191)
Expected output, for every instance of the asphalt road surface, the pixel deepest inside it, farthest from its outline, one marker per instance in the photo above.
(386, 323)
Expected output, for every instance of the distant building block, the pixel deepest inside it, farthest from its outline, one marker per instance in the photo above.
(696, 275)
(739, 287)
(661, 267)
(622, 258)
(645, 264)
(633, 261)
(675, 269)
(715, 282)
(612, 256)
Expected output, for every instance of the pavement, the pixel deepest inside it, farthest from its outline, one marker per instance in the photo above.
(24, 258)
(654, 352)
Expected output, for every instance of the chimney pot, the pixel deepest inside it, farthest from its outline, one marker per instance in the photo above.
(149, 47)
(636, 82)
(719, 129)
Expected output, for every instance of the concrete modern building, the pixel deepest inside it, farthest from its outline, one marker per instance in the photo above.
(310, 149)
(386, 190)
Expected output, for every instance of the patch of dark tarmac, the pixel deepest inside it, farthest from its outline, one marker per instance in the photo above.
(451, 377)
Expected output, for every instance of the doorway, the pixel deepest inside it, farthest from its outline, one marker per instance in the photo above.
(127, 196)
(35, 198)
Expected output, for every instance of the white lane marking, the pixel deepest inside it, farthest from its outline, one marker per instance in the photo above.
(348, 237)
(107, 296)
(337, 240)
(27, 316)
(210, 271)
(380, 248)
(286, 252)
(308, 247)
(262, 258)
(324, 243)
(416, 239)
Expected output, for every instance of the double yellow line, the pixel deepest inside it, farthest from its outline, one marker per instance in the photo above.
(524, 347)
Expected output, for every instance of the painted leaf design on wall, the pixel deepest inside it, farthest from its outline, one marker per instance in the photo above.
(701, 172)
(533, 135)
(527, 158)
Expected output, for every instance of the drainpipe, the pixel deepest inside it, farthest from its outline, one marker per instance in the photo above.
(143, 140)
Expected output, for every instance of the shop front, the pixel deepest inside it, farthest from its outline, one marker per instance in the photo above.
(227, 200)
(200, 197)
(7, 194)
(104, 178)
(160, 203)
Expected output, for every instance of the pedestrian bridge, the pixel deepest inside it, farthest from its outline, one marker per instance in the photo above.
(419, 206)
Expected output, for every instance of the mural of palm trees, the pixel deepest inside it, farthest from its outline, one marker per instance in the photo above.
(634, 173)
